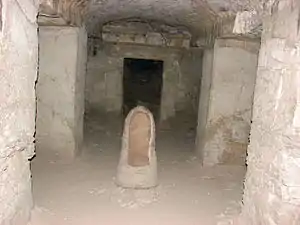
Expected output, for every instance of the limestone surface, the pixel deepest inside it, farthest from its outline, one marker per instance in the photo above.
(18, 73)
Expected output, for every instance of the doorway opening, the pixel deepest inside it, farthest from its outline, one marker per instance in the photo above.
(142, 84)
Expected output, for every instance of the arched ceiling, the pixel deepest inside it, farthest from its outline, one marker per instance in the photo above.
(195, 15)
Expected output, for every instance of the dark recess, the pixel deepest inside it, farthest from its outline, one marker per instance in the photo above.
(142, 84)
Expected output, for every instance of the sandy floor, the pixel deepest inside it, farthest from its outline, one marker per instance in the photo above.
(83, 192)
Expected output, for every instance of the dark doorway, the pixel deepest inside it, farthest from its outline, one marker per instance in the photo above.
(142, 84)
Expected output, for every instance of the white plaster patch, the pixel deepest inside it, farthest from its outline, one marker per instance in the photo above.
(279, 92)
(296, 119)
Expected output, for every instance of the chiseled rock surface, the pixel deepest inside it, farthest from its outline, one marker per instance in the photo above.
(18, 73)
(272, 187)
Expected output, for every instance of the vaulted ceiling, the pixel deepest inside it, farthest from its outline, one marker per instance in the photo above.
(195, 15)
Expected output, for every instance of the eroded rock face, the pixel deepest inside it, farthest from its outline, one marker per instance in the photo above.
(137, 31)
(272, 185)
(138, 164)
(172, 12)
(195, 14)
(224, 128)
(18, 73)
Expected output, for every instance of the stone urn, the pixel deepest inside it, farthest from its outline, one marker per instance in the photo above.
(137, 166)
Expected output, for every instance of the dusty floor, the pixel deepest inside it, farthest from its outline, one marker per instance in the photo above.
(83, 192)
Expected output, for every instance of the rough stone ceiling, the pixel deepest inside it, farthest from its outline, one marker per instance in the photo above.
(193, 14)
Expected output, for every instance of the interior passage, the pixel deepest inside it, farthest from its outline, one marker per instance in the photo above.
(84, 192)
(220, 77)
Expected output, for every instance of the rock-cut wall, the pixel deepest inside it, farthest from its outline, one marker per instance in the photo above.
(226, 101)
(181, 77)
(18, 73)
(60, 91)
(272, 186)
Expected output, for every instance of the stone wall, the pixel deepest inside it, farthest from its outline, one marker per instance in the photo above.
(272, 187)
(181, 77)
(134, 31)
(18, 68)
(60, 90)
(208, 58)
(228, 118)
(80, 87)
